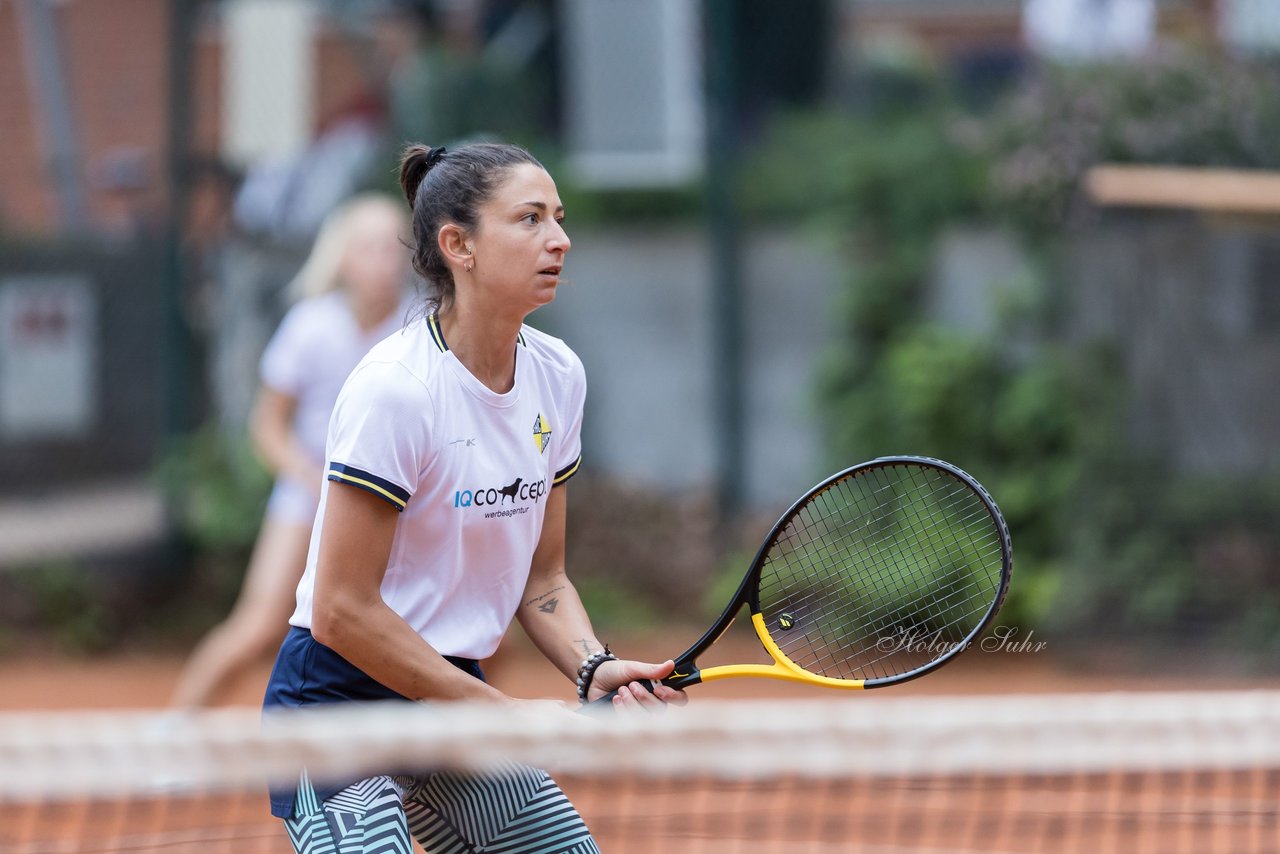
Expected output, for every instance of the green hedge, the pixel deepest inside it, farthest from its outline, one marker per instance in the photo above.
(1107, 541)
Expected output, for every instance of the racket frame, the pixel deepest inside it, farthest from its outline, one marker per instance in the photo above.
(688, 673)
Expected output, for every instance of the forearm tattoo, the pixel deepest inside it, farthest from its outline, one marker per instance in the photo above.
(547, 602)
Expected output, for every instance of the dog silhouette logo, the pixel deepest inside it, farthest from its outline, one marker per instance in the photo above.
(509, 492)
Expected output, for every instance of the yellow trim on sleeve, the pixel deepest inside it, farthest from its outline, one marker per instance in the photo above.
(359, 481)
(568, 474)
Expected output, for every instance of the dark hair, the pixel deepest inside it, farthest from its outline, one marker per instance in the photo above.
(449, 187)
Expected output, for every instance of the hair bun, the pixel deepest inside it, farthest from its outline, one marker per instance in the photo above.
(415, 163)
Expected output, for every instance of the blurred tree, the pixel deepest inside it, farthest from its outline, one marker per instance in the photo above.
(1110, 537)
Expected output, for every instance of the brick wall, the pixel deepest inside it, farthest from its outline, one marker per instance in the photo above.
(116, 57)
(26, 199)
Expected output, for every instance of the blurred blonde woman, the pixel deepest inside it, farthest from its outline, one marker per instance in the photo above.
(350, 294)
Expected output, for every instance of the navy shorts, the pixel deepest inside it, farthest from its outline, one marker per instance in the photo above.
(307, 673)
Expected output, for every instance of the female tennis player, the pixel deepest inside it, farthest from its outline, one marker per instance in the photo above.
(351, 294)
(443, 516)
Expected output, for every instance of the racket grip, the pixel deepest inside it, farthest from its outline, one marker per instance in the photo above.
(607, 699)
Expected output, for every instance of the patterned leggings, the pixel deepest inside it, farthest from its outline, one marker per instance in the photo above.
(517, 811)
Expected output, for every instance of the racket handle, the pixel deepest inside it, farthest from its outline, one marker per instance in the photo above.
(607, 699)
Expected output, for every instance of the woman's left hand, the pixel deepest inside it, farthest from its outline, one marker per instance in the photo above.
(626, 677)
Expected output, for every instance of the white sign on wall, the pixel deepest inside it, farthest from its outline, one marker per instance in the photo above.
(1251, 25)
(48, 338)
(267, 79)
(1084, 30)
(633, 91)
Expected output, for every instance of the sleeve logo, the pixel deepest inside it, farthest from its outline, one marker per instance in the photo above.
(541, 433)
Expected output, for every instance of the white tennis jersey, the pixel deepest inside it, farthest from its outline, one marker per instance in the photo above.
(310, 355)
(469, 469)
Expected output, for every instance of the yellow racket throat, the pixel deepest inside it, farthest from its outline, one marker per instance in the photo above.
(782, 668)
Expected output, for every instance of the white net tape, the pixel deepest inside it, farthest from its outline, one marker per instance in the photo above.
(114, 754)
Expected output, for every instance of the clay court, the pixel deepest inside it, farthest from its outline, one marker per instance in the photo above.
(1120, 811)
(145, 680)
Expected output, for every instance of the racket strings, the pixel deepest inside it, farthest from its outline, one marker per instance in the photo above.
(844, 647)
(881, 579)
(878, 553)
(829, 539)
(936, 606)
(933, 612)
(882, 572)
(857, 657)
(934, 609)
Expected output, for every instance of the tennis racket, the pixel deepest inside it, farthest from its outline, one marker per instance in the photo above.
(879, 574)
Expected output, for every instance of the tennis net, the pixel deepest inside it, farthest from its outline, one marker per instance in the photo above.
(1136, 772)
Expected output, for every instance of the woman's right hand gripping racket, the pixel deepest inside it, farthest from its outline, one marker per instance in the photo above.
(880, 574)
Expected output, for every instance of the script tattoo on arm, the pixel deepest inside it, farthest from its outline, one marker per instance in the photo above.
(548, 602)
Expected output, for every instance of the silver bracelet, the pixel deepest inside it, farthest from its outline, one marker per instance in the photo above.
(587, 670)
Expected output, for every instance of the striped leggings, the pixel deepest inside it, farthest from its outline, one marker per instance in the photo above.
(518, 810)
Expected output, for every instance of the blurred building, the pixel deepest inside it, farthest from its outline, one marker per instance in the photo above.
(956, 30)
(111, 95)
(115, 253)
(109, 288)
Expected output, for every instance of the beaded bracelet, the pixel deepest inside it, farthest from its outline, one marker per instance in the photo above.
(587, 670)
